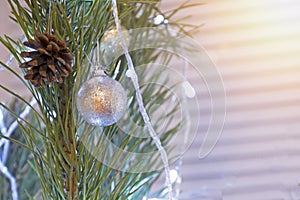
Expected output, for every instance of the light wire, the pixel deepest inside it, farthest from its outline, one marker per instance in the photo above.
(131, 73)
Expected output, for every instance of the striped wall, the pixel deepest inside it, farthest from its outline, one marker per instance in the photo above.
(255, 45)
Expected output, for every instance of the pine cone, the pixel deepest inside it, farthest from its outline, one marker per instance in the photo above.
(50, 62)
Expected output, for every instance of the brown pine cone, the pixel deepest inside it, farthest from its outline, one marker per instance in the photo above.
(50, 62)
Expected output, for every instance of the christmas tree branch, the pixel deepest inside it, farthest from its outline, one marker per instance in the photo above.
(69, 144)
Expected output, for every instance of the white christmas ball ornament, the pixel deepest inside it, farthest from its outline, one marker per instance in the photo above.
(101, 101)
(110, 44)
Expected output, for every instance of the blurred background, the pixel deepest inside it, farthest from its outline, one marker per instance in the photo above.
(255, 46)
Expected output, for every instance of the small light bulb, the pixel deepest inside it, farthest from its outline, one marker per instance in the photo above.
(188, 89)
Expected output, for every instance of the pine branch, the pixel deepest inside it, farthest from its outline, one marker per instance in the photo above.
(69, 145)
(59, 140)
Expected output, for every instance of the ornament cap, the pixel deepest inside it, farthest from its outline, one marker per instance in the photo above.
(99, 71)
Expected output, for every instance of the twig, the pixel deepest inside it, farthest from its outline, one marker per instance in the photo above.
(14, 125)
(13, 183)
(3, 130)
(7, 133)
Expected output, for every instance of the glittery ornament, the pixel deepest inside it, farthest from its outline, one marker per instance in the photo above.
(101, 101)
(110, 44)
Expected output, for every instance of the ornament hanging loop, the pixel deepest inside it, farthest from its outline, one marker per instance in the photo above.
(99, 71)
(97, 68)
